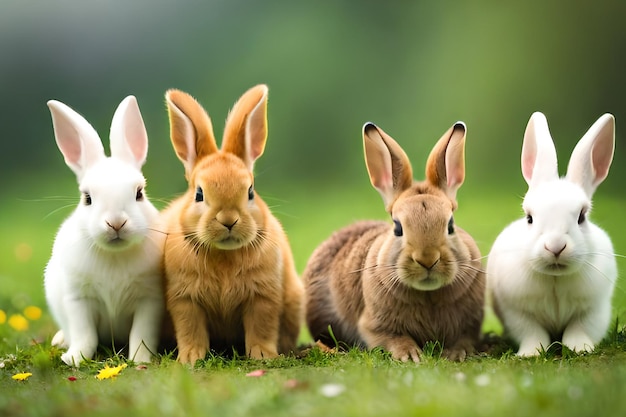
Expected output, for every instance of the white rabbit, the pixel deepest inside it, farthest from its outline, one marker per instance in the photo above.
(551, 274)
(104, 280)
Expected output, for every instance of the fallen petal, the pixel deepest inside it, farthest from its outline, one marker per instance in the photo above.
(257, 373)
(22, 376)
(106, 372)
(294, 384)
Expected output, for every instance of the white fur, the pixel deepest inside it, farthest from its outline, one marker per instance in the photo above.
(538, 294)
(105, 285)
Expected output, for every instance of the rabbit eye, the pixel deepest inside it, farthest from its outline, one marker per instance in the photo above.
(581, 217)
(451, 225)
(139, 195)
(397, 228)
(251, 192)
(87, 199)
(529, 219)
(199, 195)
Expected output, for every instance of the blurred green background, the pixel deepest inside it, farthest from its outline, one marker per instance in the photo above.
(414, 68)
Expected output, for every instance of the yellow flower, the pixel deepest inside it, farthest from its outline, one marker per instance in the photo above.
(32, 313)
(3, 317)
(107, 372)
(18, 322)
(21, 377)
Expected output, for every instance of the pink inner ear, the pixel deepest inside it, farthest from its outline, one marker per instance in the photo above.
(77, 140)
(539, 162)
(528, 163)
(256, 130)
(529, 151)
(378, 163)
(383, 181)
(455, 164)
(454, 177)
(69, 144)
(137, 139)
(602, 154)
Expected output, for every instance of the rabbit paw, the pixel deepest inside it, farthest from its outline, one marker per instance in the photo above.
(529, 349)
(190, 354)
(262, 352)
(59, 340)
(403, 349)
(72, 357)
(457, 354)
(578, 342)
(460, 350)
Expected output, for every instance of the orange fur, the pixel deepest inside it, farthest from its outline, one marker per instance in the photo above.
(231, 279)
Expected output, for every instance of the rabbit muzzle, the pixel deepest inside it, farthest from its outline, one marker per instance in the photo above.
(117, 235)
(557, 256)
(422, 277)
(227, 236)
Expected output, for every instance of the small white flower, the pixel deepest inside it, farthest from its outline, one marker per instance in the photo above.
(482, 380)
(460, 377)
(332, 390)
(574, 392)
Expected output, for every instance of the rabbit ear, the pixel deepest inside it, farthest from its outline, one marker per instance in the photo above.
(592, 156)
(388, 166)
(246, 126)
(191, 130)
(445, 167)
(129, 139)
(76, 138)
(539, 161)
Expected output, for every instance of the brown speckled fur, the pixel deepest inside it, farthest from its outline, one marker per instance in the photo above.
(352, 280)
(227, 289)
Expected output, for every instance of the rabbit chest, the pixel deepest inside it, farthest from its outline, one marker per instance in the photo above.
(126, 282)
(224, 282)
(424, 315)
(111, 289)
(556, 301)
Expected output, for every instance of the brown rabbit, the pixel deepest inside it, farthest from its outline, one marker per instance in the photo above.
(398, 287)
(231, 282)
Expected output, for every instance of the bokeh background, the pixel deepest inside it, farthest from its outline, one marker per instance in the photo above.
(412, 67)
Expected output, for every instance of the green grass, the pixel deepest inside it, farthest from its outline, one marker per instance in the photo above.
(317, 383)
(352, 383)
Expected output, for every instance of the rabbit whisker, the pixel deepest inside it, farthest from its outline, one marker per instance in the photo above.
(158, 231)
(58, 210)
(467, 266)
(283, 213)
(273, 198)
(603, 275)
(160, 200)
(388, 284)
(49, 198)
(480, 259)
(609, 255)
(373, 267)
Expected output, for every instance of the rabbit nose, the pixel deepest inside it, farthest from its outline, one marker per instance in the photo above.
(426, 266)
(556, 251)
(228, 220)
(117, 226)
(427, 261)
(231, 225)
